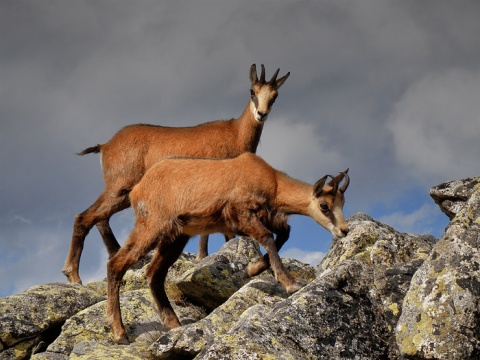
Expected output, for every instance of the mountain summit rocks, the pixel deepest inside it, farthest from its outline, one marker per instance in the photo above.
(377, 294)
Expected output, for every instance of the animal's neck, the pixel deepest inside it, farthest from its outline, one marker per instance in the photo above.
(293, 196)
(249, 130)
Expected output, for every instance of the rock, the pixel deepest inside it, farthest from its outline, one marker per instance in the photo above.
(441, 311)
(452, 195)
(32, 319)
(188, 341)
(332, 318)
(392, 256)
(139, 315)
(217, 277)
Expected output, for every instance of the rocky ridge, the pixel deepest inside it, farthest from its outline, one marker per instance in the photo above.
(377, 294)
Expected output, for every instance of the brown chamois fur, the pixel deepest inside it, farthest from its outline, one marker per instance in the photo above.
(135, 148)
(178, 198)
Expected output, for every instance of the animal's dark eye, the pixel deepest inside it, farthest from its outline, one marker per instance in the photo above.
(324, 208)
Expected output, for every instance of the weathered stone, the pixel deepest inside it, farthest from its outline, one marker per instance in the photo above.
(33, 318)
(331, 318)
(139, 315)
(392, 256)
(92, 350)
(188, 341)
(217, 277)
(441, 311)
(452, 195)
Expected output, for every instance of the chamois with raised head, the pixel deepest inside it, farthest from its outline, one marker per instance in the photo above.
(178, 198)
(135, 148)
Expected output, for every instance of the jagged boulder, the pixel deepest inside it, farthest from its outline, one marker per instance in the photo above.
(218, 276)
(349, 311)
(32, 319)
(85, 330)
(188, 341)
(441, 311)
(393, 257)
(331, 318)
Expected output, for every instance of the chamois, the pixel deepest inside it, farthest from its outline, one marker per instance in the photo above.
(135, 148)
(178, 198)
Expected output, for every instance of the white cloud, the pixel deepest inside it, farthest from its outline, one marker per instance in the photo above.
(308, 257)
(419, 221)
(435, 126)
(294, 147)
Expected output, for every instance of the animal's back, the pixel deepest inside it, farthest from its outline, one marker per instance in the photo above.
(135, 148)
(180, 185)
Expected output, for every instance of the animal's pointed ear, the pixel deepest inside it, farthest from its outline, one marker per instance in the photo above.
(280, 81)
(253, 74)
(318, 186)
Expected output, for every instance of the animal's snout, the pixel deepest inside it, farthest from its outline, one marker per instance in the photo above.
(261, 114)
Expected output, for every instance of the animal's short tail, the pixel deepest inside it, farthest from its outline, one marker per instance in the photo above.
(93, 149)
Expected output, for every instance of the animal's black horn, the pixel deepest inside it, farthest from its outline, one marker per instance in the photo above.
(262, 75)
(344, 187)
(274, 78)
(334, 184)
(253, 74)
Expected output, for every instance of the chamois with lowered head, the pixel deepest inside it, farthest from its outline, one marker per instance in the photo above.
(178, 198)
(135, 148)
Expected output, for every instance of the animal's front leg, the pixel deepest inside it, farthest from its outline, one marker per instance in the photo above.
(256, 268)
(253, 227)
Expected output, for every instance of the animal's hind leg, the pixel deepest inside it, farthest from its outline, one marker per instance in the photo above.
(139, 243)
(101, 210)
(167, 253)
(202, 247)
(109, 239)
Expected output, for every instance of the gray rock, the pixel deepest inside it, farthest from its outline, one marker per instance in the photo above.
(332, 318)
(392, 256)
(33, 318)
(441, 311)
(217, 277)
(188, 341)
(452, 195)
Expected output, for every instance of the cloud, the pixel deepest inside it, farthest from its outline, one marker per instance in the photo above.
(387, 89)
(418, 221)
(435, 125)
(308, 257)
(296, 148)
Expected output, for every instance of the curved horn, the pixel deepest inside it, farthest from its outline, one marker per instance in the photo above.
(262, 75)
(253, 74)
(280, 81)
(346, 183)
(274, 78)
(334, 184)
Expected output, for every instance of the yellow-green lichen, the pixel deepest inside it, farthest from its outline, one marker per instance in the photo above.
(394, 308)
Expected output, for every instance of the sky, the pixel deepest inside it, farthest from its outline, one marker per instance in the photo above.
(389, 89)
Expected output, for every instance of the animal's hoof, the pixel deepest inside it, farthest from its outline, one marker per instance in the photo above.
(297, 285)
(122, 341)
(71, 278)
